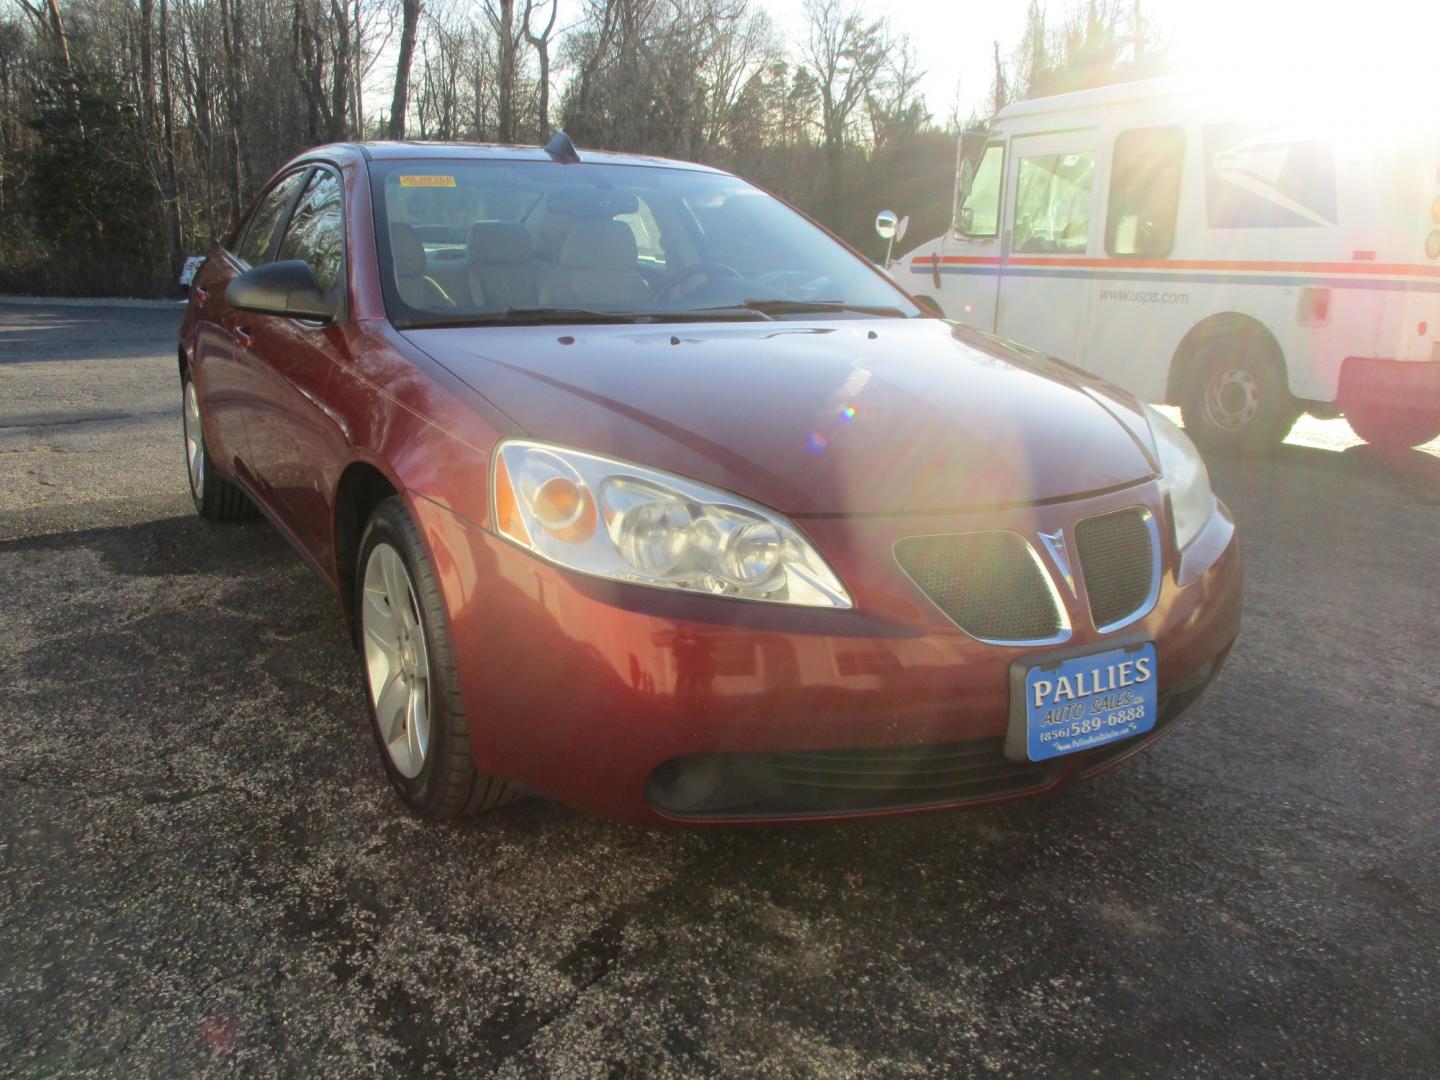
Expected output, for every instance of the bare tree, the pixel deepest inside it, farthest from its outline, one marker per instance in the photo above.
(410, 24)
(540, 42)
(508, 35)
(845, 55)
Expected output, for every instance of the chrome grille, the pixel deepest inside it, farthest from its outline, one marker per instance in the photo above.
(1120, 560)
(989, 584)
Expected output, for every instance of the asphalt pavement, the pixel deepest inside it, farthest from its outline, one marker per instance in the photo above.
(202, 872)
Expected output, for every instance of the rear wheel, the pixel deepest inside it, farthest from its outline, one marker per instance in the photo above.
(410, 675)
(214, 496)
(1391, 428)
(1236, 400)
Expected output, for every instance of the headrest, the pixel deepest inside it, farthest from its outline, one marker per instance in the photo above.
(591, 202)
(406, 251)
(599, 244)
(498, 242)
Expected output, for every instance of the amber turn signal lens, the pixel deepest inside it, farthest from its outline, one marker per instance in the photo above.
(507, 512)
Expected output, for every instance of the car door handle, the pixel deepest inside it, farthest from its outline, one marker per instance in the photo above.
(242, 337)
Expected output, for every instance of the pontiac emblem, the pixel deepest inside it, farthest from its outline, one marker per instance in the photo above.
(1060, 554)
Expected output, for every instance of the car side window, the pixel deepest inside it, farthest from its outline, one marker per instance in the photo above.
(1052, 203)
(316, 232)
(255, 240)
(1144, 192)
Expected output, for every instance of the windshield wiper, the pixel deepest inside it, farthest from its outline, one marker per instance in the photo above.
(539, 316)
(518, 316)
(807, 307)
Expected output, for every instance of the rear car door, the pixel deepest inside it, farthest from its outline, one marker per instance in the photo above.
(1050, 230)
(295, 439)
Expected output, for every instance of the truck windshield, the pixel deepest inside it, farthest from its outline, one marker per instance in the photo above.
(469, 242)
(978, 213)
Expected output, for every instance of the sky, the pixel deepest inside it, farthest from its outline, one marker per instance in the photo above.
(1357, 58)
(1361, 49)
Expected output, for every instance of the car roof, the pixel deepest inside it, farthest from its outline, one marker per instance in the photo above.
(451, 151)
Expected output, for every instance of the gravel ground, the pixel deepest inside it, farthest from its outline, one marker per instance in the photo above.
(203, 873)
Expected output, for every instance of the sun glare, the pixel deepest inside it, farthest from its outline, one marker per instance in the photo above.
(1363, 68)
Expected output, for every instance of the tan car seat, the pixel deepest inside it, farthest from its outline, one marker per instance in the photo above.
(416, 287)
(597, 268)
(502, 264)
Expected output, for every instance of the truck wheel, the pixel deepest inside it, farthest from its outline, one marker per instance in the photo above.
(1236, 400)
(1390, 428)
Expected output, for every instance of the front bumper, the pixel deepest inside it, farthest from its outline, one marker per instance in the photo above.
(1407, 385)
(597, 693)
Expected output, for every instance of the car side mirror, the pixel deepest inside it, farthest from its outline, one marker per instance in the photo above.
(285, 288)
(928, 305)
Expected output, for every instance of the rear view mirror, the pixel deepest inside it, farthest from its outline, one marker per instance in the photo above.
(902, 228)
(885, 224)
(285, 288)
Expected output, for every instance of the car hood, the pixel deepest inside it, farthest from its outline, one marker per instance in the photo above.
(840, 417)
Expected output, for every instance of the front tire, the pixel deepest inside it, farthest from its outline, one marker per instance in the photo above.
(411, 681)
(1236, 400)
(1392, 429)
(215, 497)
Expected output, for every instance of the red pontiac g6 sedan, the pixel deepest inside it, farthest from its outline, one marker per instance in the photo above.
(642, 491)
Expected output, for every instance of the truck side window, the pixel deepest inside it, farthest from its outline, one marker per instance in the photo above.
(1144, 192)
(1052, 203)
(979, 212)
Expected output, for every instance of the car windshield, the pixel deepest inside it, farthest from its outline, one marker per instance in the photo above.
(468, 242)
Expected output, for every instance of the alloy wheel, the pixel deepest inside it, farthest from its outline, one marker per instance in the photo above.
(397, 661)
(194, 440)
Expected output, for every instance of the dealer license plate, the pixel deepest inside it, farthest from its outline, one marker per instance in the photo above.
(1083, 702)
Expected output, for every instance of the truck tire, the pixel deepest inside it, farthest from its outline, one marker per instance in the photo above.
(1235, 399)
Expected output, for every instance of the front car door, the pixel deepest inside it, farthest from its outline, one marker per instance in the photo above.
(225, 384)
(295, 438)
(1050, 229)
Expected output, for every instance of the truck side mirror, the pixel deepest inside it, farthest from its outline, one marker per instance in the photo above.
(886, 224)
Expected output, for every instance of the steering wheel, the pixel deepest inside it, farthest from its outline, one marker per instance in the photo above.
(711, 270)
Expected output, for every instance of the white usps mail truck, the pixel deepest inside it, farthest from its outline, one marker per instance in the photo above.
(1244, 269)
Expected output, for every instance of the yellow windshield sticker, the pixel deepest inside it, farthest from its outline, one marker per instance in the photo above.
(427, 181)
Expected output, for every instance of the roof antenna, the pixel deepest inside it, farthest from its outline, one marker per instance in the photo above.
(561, 149)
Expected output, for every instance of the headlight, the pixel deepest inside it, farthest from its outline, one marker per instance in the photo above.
(628, 523)
(1183, 478)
